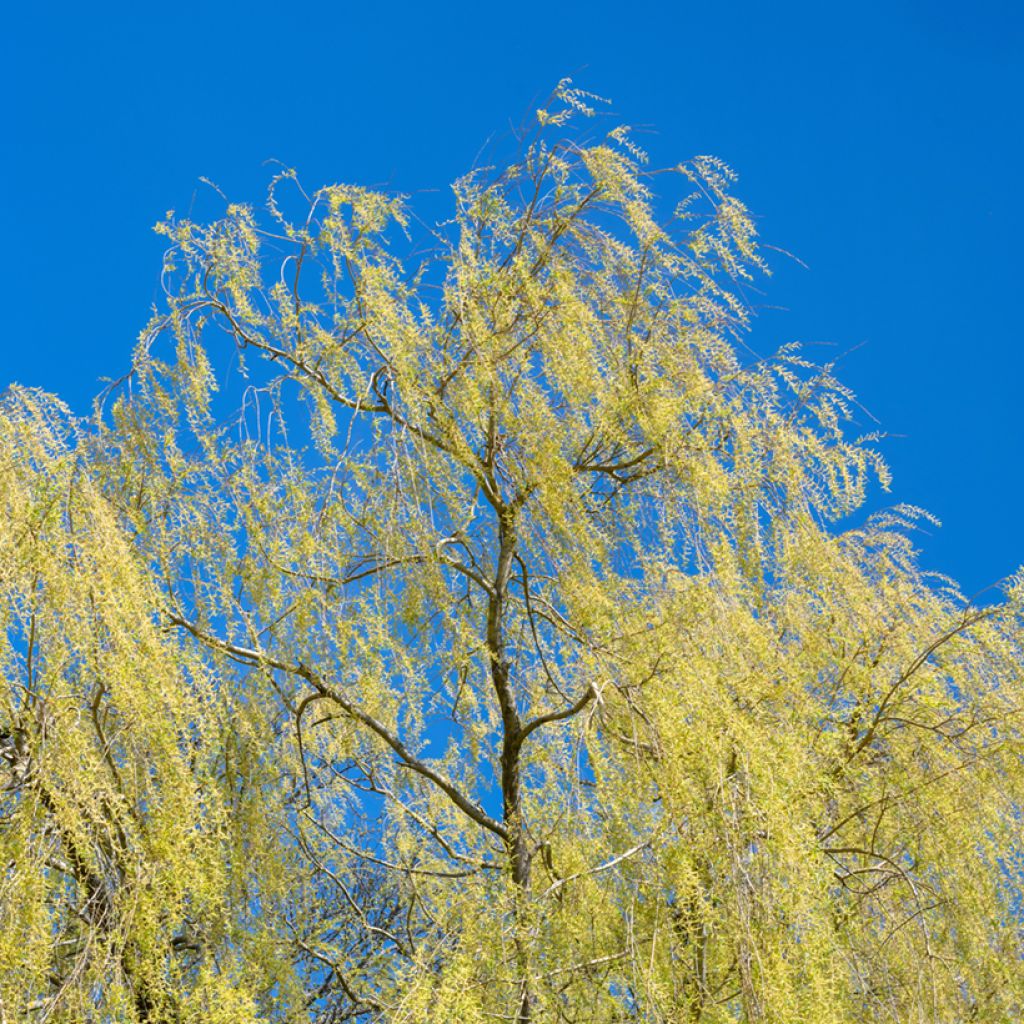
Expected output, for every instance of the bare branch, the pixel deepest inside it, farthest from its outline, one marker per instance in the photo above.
(254, 657)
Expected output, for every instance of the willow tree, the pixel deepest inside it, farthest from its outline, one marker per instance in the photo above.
(485, 635)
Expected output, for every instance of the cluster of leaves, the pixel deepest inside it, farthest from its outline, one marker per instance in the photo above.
(499, 648)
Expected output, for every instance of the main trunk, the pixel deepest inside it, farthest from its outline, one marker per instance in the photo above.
(512, 738)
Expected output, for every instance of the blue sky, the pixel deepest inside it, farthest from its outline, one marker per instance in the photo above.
(880, 143)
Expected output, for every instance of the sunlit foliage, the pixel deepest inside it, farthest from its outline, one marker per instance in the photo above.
(484, 634)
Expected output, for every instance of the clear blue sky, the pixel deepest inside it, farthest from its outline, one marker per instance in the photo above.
(880, 143)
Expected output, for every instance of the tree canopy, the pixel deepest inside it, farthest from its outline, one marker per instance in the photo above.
(485, 633)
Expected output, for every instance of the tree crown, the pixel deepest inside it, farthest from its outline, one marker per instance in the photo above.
(480, 635)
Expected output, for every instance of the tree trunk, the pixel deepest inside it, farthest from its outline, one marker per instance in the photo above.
(512, 740)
